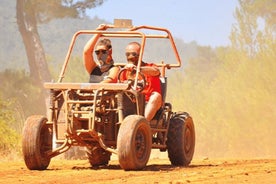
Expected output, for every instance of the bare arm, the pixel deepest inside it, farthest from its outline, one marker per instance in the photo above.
(88, 58)
(150, 70)
(113, 75)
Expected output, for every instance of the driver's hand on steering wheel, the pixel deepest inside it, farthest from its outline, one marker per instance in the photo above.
(130, 66)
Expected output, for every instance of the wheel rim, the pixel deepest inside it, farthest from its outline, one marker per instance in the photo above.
(140, 144)
(188, 140)
(45, 141)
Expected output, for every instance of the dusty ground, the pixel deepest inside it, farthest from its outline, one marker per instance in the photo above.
(157, 171)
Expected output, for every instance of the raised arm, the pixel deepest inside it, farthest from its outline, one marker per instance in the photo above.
(89, 61)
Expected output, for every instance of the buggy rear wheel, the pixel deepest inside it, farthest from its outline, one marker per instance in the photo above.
(36, 142)
(97, 156)
(181, 139)
(134, 143)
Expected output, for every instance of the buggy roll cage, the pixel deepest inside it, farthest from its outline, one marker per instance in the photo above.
(129, 32)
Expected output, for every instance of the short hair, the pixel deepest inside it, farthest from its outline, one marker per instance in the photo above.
(135, 43)
(106, 42)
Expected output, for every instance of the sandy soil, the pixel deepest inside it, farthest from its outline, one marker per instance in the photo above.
(157, 171)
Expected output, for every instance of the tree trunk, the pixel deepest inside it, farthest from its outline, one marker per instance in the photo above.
(27, 25)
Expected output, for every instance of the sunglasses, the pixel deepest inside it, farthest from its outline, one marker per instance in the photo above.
(97, 52)
(134, 54)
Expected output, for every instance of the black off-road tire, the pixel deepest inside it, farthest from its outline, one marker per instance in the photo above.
(134, 143)
(36, 141)
(97, 156)
(181, 139)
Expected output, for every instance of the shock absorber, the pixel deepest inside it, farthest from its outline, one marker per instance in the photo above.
(119, 97)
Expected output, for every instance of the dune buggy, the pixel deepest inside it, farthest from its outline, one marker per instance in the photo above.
(109, 118)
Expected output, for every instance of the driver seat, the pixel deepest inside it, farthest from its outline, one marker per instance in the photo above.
(163, 83)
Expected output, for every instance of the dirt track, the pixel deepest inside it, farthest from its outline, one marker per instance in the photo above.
(157, 171)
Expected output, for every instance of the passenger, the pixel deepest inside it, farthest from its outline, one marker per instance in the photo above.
(152, 90)
(103, 70)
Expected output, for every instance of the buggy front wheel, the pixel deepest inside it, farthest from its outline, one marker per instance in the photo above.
(134, 143)
(36, 142)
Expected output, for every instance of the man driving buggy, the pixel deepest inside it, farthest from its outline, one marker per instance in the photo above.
(152, 89)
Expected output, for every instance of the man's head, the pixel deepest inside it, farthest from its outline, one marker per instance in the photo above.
(132, 52)
(103, 50)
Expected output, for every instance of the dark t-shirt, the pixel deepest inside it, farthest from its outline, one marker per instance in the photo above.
(97, 75)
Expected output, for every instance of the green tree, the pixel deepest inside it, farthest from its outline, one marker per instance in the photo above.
(23, 100)
(230, 91)
(255, 27)
(9, 138)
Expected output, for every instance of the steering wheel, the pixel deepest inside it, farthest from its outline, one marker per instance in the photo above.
(126, 75)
